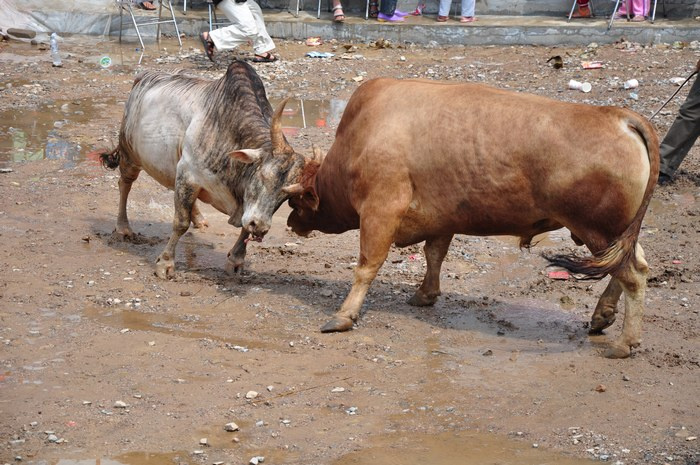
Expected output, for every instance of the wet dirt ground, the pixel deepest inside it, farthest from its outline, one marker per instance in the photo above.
(103, 361)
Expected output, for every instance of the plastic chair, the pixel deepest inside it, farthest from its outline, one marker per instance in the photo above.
(573, 7)
(653, 11)
(127, 5)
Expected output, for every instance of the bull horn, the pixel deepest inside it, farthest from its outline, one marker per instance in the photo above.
(293, 189)
(318, 154)
(279, 144)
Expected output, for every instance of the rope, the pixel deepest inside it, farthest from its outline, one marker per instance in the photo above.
(674, 94)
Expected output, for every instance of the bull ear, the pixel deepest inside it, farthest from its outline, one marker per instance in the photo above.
(310, 199)
(279, 144)
(246, 155)
(293, 189)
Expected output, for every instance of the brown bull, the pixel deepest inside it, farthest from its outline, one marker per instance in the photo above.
(418, 160)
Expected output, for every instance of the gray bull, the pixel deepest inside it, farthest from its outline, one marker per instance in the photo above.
(211, 140)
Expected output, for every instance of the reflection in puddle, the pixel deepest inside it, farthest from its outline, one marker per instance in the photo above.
(301, 114)
(454, 449)
(32, 134)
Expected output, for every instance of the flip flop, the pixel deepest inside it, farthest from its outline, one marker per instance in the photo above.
(267, 57)
(338, 15)
(208, 46)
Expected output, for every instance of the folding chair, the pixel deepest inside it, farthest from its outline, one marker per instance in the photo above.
(573, 7)
(128, 6)
(653, 14)
(214, 22)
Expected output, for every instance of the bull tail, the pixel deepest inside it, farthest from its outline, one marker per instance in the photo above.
(623, 249)
(110, 160)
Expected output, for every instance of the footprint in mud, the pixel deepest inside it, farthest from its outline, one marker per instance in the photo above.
(137, 239)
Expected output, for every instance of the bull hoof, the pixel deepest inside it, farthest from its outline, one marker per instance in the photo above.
(165, 269)
(200, 223)
(617, 350)
(337, 324)
(234, 267)
(421, 300)
(600, 322)
(123, 234)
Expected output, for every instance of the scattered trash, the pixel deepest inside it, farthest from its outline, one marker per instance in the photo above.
(256, 460)
(582, 86)
(677, 81)
(55, 55)
(315, 54)
(676, 262)
(631, 84)
(105, 62)
(563, 274)
(6, 170)
(314, 41)
(358, 78)
(251, 395)
(634, 96)
(556, 62)
(592, 64)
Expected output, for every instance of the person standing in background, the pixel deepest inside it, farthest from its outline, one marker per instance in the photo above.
(683, 133)
(247, 24)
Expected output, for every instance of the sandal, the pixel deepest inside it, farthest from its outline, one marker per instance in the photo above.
(467, 19)
(208, 45)
(441, 19)
(266, 57)
(338, 15)
(638, 19)
(373, 9)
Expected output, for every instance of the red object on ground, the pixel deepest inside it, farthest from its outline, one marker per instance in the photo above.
(558, 275)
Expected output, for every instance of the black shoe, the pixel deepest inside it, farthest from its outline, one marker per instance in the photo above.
(664, 179)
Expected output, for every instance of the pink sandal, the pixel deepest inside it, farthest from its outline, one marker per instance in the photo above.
(467, 19)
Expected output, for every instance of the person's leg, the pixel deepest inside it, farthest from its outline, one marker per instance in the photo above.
(584, 10)
(640, 9)
(386, 11)
(262, 43)
(468, 10)
(683, 133)
(444, 9)
(243, 26)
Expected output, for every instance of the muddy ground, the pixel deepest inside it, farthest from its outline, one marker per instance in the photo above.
(101, 359)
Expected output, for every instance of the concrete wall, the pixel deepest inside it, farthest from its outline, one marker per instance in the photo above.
(674, 8)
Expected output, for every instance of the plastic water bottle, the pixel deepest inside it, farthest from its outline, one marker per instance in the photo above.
(55, 57)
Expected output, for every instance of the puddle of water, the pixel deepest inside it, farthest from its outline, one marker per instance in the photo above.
(165, 324)
(132, 458)
(461, 448)
(33, 134)
(305, 113)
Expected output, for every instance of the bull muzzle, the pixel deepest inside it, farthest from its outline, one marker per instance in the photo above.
(257, 228)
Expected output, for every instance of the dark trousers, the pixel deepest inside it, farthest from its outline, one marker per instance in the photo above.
(387, 7)
(683, 133)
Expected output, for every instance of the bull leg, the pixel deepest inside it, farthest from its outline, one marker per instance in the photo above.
(127, 175)
(435, 250)
(185, 196)
(606, 309)
(236, 256)
(198, 220)
(376, 236)
(633, 281)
